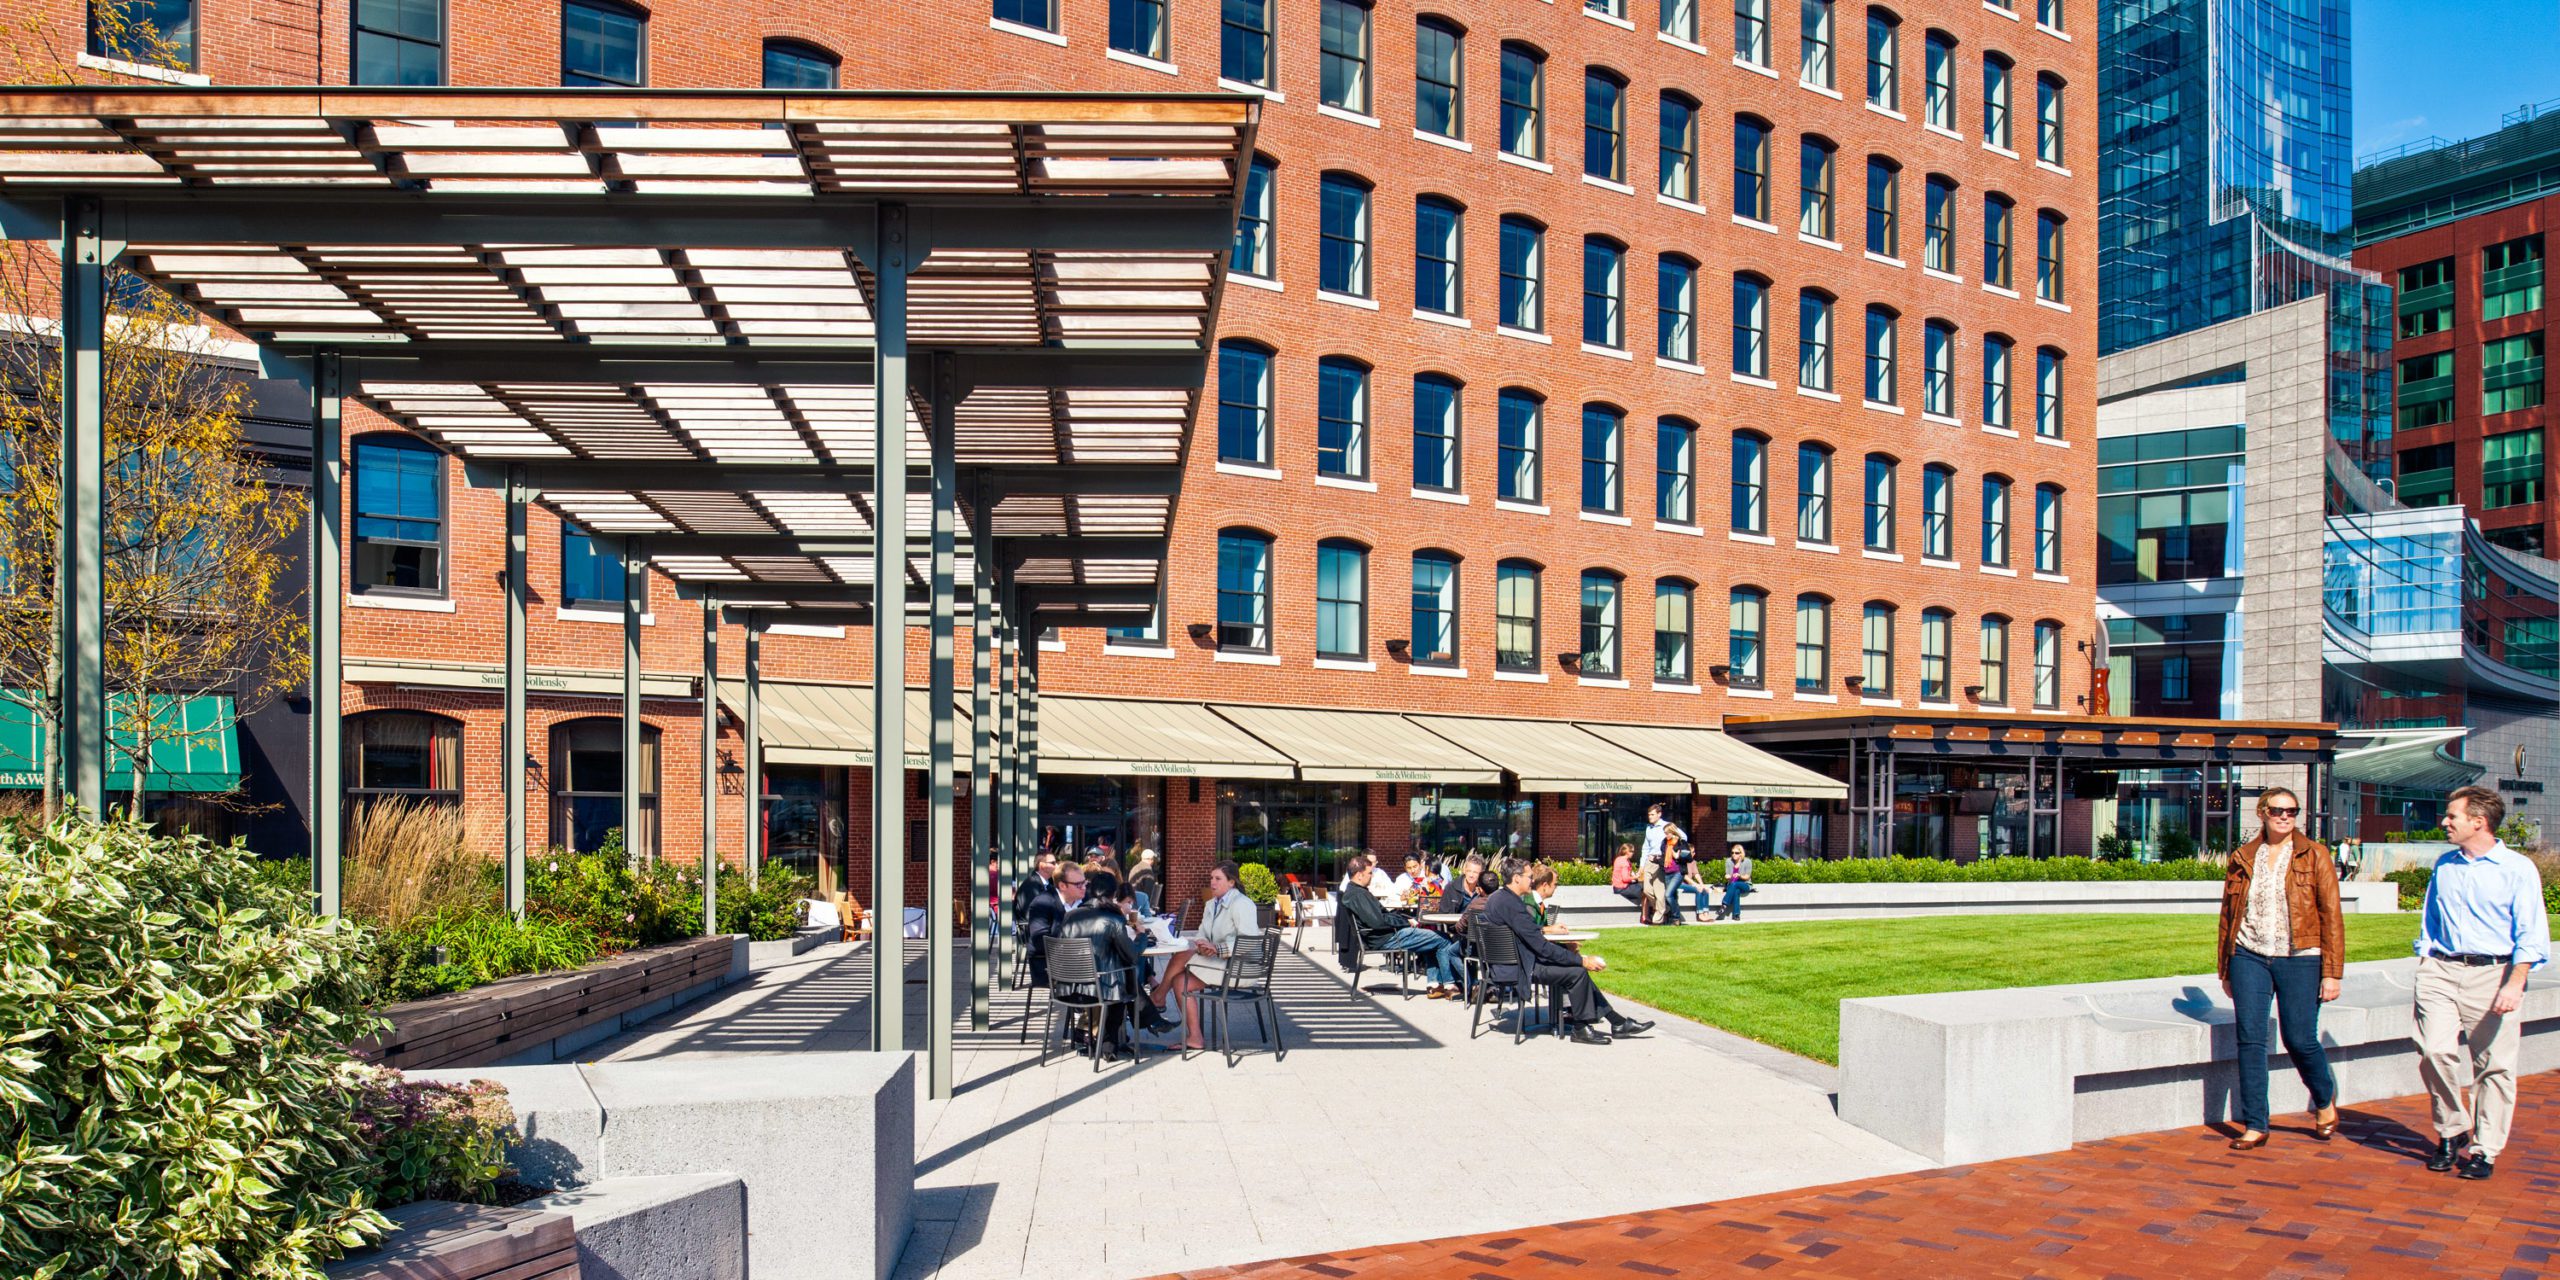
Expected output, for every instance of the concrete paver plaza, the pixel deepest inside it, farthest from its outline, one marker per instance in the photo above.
(2166, 1204)
(1384, 1123)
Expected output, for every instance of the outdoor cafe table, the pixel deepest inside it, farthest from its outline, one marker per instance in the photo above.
(1159, 954)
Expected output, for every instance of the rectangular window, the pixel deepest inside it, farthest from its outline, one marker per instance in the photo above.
(1524, 103)
(1939, 68)
(2510, 374)
(1678, 148)
(1252, 252)
(1938, 369)
(1813, 213)
(1515, 617)
(1750, 169)
(1137, 26)
(1884, 61)
(1813, 493)
(1680, 19)
(1436, 256)
(1676, 292)
(2048, 393)
(1879, 522)
(1743, 624)
(1750, 327)
(1813, 342)
(1884, 209)
(1875, 652)
(1995, 382)
(1244, 41)
(1750, 484)
(1435, 433)
(1517, 463)
(1244, 404)
(1675, 469)
(1244, 593)
(1997, 215)
(1813, 644)
(1599, 625)
(2511, 278)
(1343, 237)
(1995, 521)
(1343, 50)
(2511, 469)
(1604, 127)
(157, 33)
(1342, 601)
(1817, 43)
(1435, 610)
(1342, 419)
(2424, 299)
(1995, 662)
(2048, 529)
(1603, 294)
(1884, 357)
(1995, 103)
(2048, 257)
(2048, 660)
(398, 505)
(2049, 120)
(1149, 632)
(1751, 31)
(589, 577)
(1439, 106)
(1937, 513)
(1938, 253)
(1671, 609)
(398, 42)
(1040, 15)
(2049, 14)
(1600, 431)
(2425, 396)
(1934, 626)
(1523, 267)
(603, 44)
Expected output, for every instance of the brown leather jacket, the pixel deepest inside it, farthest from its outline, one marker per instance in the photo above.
(2311, 896)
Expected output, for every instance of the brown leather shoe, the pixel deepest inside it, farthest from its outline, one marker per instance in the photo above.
(2249, 1141)
(2324, 1130)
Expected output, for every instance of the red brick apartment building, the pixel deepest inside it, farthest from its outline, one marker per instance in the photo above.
(1772, 321)
(2461, 231)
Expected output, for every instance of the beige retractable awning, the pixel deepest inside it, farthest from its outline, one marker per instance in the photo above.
(1720, 765)
(831, 723)
(1360, 746)
(1550, 755)
(1125, 735)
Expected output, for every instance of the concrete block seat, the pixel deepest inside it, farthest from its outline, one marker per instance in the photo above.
(1589, 906)
(1985, 1075)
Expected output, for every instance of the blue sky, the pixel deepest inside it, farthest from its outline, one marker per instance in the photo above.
(2449, 67)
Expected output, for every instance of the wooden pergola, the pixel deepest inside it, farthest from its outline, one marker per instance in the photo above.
(679, 319)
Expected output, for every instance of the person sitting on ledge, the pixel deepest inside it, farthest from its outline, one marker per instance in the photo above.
(1380, 930)
(1552, 963)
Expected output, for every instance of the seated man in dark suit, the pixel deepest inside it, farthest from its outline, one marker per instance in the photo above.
(1381, 930)
(1553, 964)
(1106, 925)
(1043, 879)
(1038, 917)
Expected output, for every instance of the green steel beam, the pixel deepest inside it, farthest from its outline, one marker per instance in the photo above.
(710, 767)
(890, 267)
(80, 604)
(635, 597)
(328, 603)
(981, 799)
(511, 733)
(938, 898)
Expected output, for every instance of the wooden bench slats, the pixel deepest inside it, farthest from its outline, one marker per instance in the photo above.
(505, 1017)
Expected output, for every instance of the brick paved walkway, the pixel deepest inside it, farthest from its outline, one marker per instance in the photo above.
(2170, 1204)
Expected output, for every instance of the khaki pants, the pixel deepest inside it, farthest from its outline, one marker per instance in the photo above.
(2453, 1007)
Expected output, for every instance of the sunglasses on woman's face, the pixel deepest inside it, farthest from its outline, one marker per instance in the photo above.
(2275, 812)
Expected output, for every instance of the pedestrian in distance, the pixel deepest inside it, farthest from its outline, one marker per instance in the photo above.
(2481, 933)
(2282, 942)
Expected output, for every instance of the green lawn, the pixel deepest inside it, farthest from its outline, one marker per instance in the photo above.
(1782, 983)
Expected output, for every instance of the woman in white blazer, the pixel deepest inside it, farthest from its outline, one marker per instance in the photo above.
(1227, 918)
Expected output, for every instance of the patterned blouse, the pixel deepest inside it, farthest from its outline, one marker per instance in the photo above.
(2266, 927)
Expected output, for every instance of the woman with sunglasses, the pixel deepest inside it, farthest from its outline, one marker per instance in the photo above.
(2284, 943)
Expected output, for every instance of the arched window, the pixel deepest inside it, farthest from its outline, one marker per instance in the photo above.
(1600, 623)
(1342, 599)
(1995, 101)
(1435, 609)
(1816, 48)
(1751, 168)
(586, 786)
(399, 44)
(398, 504)
(2049, 119)
(1602, 428)
(1934, 625)
(1244, 41)
(1813, 212)
(1438, 59)
(1604, 292)
(1342, 55)
(1751, 31)
(1252, 253)
(1524, 101)
(1524, 270)
(1244, 591)
(2049, 393)
(1995, 381)
(1435, 433)
(1875, 657)
(1995, 521)
(2049, 255)
(2048, 528)
(1745, 619)
(1515, 616)
(1813, 644)
(1938, 369)
(1138, 27)
(1678, 146)
(1884, 356)
(1680, 20)
(1343, 235)
(1813, 340)
(1675, 471)
(603, 43)
(2048, 660)
(1244, 403)
(1879, 502)
(1884, 207)
(1937, 512)
(1939, 70)
(1998, 218)
(1938, 209)
(1604, 125)
(1437, 251)
(1813, 493)
(788, 64)
(1517, 470)
(403, 755)
(1342, 418)
(1673, 610)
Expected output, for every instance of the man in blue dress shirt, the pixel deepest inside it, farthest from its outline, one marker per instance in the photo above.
(2484, 930)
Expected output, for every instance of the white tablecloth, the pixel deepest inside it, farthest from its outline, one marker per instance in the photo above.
(814, 911)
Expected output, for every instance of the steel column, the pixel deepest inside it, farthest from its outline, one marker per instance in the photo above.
(981, 797)
(710, 767)
(634, 597)
(1031, 740)
(751, 745)
(511, 729)
(1008, 816)
(888, 634)
(938, 898)
(328, 600)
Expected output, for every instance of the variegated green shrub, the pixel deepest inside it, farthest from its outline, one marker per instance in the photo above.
(170, 1030)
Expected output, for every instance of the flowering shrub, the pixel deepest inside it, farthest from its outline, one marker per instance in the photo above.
(431, 1141)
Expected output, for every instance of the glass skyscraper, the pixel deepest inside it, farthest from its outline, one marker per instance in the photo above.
(2225, 181)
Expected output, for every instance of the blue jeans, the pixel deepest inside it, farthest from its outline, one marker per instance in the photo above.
(1439, 954)
(1733, 891)
(1671, 899)
(2292, 984)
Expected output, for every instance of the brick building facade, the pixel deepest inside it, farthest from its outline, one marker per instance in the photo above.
(1365, 424)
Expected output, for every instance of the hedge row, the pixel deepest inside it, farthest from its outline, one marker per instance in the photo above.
(1926, 870)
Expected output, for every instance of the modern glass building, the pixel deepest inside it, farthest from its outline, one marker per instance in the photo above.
(2224, 166)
